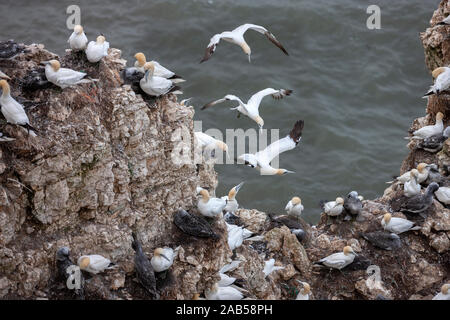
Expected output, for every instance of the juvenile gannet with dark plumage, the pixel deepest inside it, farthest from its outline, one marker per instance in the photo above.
(444, 294)
(154, 85)
(12, 110)
(231, 203)
(420, 202)
(163, 258)
(412, 187)
(94, 263)
(251, 108)
(208, 206)
(237, 37)
(261, 160)
(383, 240)
(193, 225)
(64, 265)
(304, 293)
(143, 267)
(397, 225)
(338, 260)
(160, 71)
(63, 77)
(431, 130)
(294, 207)
(333, 208)
(442, 82)
(434, 143)
(78, 40)
(96, 50)
(352, 203)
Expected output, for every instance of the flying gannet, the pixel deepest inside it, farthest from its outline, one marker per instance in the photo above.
(208, 206)
(163, 258)
(143, 267)
(63, 77)
(78, 40)
(223, 293)
(383, 240)
(434, 143)
(397, 225)
(352, 203)
(64, 265)
(12, 110)
(420, 202)
(333, 208)
(261, 160)
(251, 109)
(304, 292)
(422, 176)
(96, 50)
(193, 225)
(338, 260)
(94, 263)
(443, 195)
(269, 267)
(294, 207)
(412, 187)
(232, 204)
(431, 130)
(160, 71)
(444, 294)
(156, 86)
(442, 82)
(237, 37)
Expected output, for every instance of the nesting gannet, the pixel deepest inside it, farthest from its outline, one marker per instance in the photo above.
(412, 187)
(431, 130)
(304, 292)
(155, 85)
(333, 208)
(193, 225)
(208, 206)
(223, 293)
(251, 109)
(4, 138)
(397, 225)
(207, 142)
(338, 260)
(94, 263)
(12, 110)
(63, 77)
(420, 202)
(4, 76)
(184, 102)
(352, 203)
(261, 160)
(422, 168)
(443, 195)
(237, 37)
(98, 49)
(163, 258)
(143, 267)
(294, 207)
(444, 294)
(231, 203)
(434, 143)
(67, 271)
(160, 71)
(383, 240)
(442, 82)
(269, 267)
(78, 40)
(236, 235)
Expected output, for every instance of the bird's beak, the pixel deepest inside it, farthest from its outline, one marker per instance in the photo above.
(287, 171)
(239, 186)
(249, 59)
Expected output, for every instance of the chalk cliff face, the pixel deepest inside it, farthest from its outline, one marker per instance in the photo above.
(102, 166)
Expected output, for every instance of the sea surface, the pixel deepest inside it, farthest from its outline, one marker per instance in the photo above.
(357, 89)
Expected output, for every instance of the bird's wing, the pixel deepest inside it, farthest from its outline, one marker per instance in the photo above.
(213, 42)
(105, 48)
(228, 97)
(242, 29)
(205, 139)
(162, 71)
(255, 99)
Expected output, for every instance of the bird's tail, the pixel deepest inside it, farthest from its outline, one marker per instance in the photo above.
(175, 90)
(176, 79)
(429, 93)
(416, 228)
(322, 204)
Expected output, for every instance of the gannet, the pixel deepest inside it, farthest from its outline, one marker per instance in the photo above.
(304, 292)
(397, 225)
(210, 207)
(96, 50)
(225, 280)
(421, 177)
(434, 143)
(193, 225)
(163, 258)
(230, 199)
(10, 49)
(429, 131)
(94, 263)
(269, 267)
(184, 102)
(4, 138)
(237, 37)
(78, 40)
(4, 76)
(352, 203)
(434, 175)
(251, 109)
(338, 260)
(12, 110)
(293, 223)
(412, 187)
(420, 202)
(261, 160)
(160, 71)
(206, 142)
(383, 240)
(143, 267)
(300, 234)
(230, 266)
(442, 82)
(223, 293)
(156, 86)
(66, 271)
(63, 77)
(294, 207)
(444, 294)
(333, 208)
(443, 195)
(236, 235)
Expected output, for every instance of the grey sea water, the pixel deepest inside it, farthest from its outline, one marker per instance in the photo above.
(357, 89)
